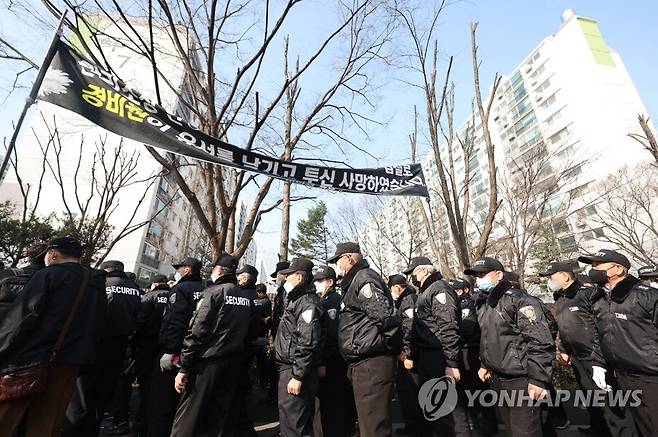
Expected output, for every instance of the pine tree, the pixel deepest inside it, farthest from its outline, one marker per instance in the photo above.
(312, 235)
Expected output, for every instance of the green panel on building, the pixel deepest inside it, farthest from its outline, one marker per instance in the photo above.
(598, 47)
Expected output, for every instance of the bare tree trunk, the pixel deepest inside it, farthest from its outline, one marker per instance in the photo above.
(648, 141)
(284, 240)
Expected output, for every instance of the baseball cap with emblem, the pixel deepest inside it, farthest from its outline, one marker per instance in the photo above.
(228, 262)
(415, 262)
(112, 265)
(606, 256)
(396, 280)
(342, 249)
(190, 262)
(247, 268)
(67, 243)
(484, 264)
(647, 272)
(281, 265)
(459, 283)
(324, 272)
(557, 266)
(299, 265)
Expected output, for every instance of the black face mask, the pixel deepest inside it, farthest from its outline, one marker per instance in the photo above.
(598, 277)
(415, 281)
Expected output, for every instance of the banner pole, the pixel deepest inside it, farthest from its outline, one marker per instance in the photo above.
(33, 95)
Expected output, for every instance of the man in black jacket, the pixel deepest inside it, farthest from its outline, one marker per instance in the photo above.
(30, 330)
(297, 350)
(579, 344)
(182, 302)
(516, 346)
(334, 386)
(436, 334)
(277, 312)
(627, 322)
(210, 360)
(13, 280)
(406, 380)
(368, 336)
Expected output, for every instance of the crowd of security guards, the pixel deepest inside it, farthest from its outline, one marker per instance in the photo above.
(335, 346)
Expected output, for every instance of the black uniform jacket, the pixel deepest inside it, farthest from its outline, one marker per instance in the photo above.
(299, 337)
(574, 310)
(183, 298)
(406, 306)
(220, 323)
(124, 299)
(331, 307)
(151, 310)
(368, 324)
(627, 322)
(515, 338)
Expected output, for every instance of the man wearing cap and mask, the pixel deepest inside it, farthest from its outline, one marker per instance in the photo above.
(516, 346)
(627, 322)
(183, 299)
(277, 308)
(649, 274)
(435, 333)
(297, 350)
(579, 343)
(369, 336)
(211, 356)
(334, 386)
(406, 380)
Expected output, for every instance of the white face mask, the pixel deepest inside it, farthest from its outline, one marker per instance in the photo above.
(484, 284)
(288, 287)
(177, 276)
(320, 287)
(553, 286)
(653, 284)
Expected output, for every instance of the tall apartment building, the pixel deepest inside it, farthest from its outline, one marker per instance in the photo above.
(571, 99)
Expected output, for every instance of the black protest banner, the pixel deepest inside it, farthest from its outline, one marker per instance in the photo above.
(81, 86)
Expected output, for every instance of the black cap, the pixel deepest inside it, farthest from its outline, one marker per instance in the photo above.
(66, 243)
(248, 269)
(647, 272)
(228, 262)
(281, 265)
(396, 280)
(193, 263)
(299, 265)
(324, 272)
(557, 266)
(342, 249)
(484, 264)
(606, 256)
(417, 261)
(459, 283)
(112, 265)
(159, 279)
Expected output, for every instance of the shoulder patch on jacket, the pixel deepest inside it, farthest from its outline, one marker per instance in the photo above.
(465, 313)
(441, 297)
(172, 298)
(366, 291)
(332, 313)
(529, 312)
(307, 315)
(409, 312)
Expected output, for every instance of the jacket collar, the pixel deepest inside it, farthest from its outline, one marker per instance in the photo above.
(194, 277)
(300, 290)
(225, 279)
(349, 276)
(431, 279)
(161, 287)
(407, 291)
(621, 290)
(572, 289)
(116, 274)
(497, 293)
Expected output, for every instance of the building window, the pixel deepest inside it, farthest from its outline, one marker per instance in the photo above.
(548, 102)
(560, 136)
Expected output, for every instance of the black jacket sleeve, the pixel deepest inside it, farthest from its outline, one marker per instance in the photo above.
(201, 327)
(445, 308)
(375, 303)
(178, 316)
(534, 329)
(407, 312)
(308, 336)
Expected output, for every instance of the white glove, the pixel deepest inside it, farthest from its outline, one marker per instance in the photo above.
(598, 376)
(167, 362)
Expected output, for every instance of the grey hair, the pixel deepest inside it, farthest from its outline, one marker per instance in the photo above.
(429, 267)
(357, 256)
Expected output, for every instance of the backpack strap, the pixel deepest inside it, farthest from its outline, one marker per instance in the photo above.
(69, 318)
